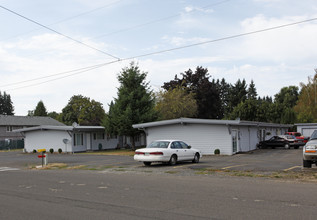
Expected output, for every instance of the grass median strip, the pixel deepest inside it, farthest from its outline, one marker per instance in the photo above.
(285, 175)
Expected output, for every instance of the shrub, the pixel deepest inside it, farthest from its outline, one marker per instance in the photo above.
(100, 146)
(51, 150)
(60, 150)
(217, 151)
(34, 151)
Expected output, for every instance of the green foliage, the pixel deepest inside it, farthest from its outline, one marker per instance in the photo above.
(134, 104)
(175, 103)
(40, 109)
(34, 151)
(217, 151)
(60, 150)
(306, 107)
(83, 111)
(51, 150)
(205, 92)
(6, 105)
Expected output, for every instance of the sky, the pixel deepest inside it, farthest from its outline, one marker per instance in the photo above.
(52, 50)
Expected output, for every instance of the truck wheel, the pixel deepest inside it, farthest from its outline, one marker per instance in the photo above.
(307, 163)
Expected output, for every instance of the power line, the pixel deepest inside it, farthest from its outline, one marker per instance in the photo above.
(85, 69)
(67, 19)
(59, 33)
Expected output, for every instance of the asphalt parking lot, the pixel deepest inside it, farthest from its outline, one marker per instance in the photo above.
(260, 160)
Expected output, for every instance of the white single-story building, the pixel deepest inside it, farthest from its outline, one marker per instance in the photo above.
(229, 136)
(306, 129)
(67, 138)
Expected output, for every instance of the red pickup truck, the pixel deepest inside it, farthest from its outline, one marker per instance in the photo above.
(299, 136)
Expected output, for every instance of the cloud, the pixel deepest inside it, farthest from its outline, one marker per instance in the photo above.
(293, 43)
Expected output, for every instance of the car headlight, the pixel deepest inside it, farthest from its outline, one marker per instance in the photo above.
(310, 148)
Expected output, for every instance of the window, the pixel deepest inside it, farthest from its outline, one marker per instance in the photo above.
(78, 139)
(9, 128)
(99, 136)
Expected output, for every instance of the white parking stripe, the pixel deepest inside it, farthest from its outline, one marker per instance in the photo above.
(7, 169)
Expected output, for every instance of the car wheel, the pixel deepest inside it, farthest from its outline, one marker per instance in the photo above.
(147, 163)
(286, 146)
(196, 158)
(307, 163)
(173, 160)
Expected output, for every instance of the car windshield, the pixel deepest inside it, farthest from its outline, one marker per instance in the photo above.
(158, 144)
(314, 135)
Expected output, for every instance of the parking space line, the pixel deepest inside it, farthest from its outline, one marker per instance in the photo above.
(291, 168)
(224, 168)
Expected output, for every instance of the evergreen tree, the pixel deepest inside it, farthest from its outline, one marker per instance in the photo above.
(251, 93)
(6, 105)
(134, 104)
(40, 109)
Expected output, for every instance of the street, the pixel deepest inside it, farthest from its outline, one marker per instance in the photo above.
(80, 194)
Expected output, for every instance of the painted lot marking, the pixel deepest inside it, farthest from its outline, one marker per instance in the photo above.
(7, 169)
(241, 165)
(291, 168)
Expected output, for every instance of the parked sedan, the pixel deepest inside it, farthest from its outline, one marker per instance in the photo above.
(310, 151)
(285, 141)
(167, 151)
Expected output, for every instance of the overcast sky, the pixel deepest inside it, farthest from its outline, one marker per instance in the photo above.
(38, 63)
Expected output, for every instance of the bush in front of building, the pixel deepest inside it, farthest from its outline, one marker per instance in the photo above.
(60, 150)
(34, 151)
(51, 150)
(217, 151)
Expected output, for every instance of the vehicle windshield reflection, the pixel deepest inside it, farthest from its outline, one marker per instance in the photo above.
(158, 144)
(314, 135)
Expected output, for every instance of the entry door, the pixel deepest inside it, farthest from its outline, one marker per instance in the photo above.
(88, 142)
(235, 140)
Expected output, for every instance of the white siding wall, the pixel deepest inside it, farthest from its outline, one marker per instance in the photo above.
(204, 137)
(248, 138)
(46, 140)
(106, 143)
(306, 130)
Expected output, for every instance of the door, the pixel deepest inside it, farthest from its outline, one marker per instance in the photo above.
(235, 141)
(188, 153)
(88, 141)
(178, 149)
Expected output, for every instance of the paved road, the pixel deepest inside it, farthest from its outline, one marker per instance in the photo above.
(78, 194)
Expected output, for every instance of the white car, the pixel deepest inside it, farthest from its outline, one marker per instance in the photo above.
(310, 151)
(167, 151)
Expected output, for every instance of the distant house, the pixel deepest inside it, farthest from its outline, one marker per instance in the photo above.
(67, 138)
(230, 136)
(8, 123)
(306, 129)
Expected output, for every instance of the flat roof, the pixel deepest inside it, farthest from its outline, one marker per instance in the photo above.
(208, 121)
(61, 128)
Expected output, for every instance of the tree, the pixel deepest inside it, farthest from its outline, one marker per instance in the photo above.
(284, 102)
(134, 104)
(40, 109)
(83, 111)
(6, 105)
(175, 103)
(306, 107)
(237, 94)
(205, 92)
(251, 92)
